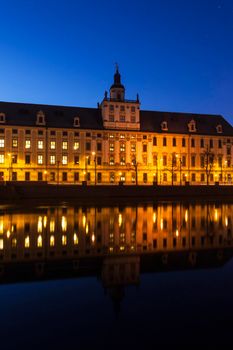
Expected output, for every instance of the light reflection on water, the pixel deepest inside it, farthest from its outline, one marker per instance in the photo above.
(128, 249)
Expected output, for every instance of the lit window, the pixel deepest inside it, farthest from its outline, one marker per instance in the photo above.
(111, 160)
(2, 159)
(122, 147)
(28, 144)
(2, 143)
(52, 159)
(40, 159)
(122, 161)
(15, 143)
(52, 241)
(76, 145)
(14, 242)
(39, 241)
(75, 239)
(64, 240)
(111, 147)
(52, 225)
(1, 244)
(40, 144)
(64, 223)
(64, 160)
(27, 242)
(111, 136)
(64, 145)
(122, 136)
(53, 144)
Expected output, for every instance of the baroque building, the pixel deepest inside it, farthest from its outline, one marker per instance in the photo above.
(115, 142)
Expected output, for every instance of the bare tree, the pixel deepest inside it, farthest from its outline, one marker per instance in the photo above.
(208, 162)
(172, 166)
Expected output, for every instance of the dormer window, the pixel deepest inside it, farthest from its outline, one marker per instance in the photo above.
(76, 122)
(192, 126)
(164, 126)
(40, 118)
(219, 129)
(2, 118)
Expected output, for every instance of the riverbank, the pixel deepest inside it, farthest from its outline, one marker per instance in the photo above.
(22, 192)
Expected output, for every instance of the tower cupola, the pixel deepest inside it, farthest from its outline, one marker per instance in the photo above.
(117, 90)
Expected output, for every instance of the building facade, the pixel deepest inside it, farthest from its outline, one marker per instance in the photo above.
(117, 141)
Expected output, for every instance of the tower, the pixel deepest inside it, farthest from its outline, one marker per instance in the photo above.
(117, 90)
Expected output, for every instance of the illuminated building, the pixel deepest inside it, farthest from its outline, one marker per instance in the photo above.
(114, 142)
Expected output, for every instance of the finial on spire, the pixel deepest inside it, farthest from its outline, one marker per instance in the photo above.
(117, 67)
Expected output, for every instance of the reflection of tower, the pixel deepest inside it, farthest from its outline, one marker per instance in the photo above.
(117, 273)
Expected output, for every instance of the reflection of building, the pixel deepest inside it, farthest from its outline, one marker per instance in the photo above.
(114, 142)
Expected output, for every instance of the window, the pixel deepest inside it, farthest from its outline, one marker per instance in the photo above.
(154, 141)
(99, 146)
(88, 146)
(122, 147)
(52, 132)
(193, 177)
(14, 143)
(111, 160)
(2, 159)
(40, 144)
(133, 109)
(165, 177)
(2, 118)
(88, 134)
(164, 126)
(52, 144)
(52, 176)
(122, 136)
(40, 176)
(228, 151)
(144, 148)
(14, 176)
(183, 142)
(219, 129)
(122, 108)
(122, 118)
(219, 143)
(65, 133)
(111, 147)
(64, 160)
(193, 160)
(64, 176)
(99, 177)
(40, 132)
(164, 160)
(192, 143)
(192, 126)
(53, 159)
(164, 142)
(40, 118)
(111, 118)
(27, 159)
(65, 145)
(183, 161)
(133, 147)
(14, 158)
(99, 160)
(111, 107)
(202, 159)
(133, 119)
(111, 136)
(220, 161)
(27, 176)
(40, 159)
(145, 177)
(202, 143)
(211, 143)
(76, 177)
(2, 143)
(122, 160)
(76, 145)
(155, 159)
(76, 134)
(76, 122)
(28, 144)
(174, 142)
(76, 160)
(112, 177)
(28, 132)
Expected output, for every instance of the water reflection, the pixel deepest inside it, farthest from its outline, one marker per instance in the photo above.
(116, 243)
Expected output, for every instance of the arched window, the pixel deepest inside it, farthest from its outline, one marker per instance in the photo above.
(2, 118)
(76, 122)
(164, 125)
(40, 118)
(192, 126)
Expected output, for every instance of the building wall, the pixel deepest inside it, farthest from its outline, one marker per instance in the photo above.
(115, 154)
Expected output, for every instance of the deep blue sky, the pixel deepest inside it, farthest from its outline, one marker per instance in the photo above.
(177, 54)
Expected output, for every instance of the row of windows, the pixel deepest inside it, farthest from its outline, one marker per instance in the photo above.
(122, 118)
(122, 108)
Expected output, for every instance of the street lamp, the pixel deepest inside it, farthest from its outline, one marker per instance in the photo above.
(94, 155)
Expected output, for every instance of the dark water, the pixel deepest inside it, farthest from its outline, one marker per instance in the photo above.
(116, 277)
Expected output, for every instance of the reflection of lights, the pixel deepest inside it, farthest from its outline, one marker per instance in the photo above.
(154, 218)
(93, 238)
(122, 248)
(14, 242)
(186, 215)
(1, 227)
(12, 228)
(39, 224)
(75, 239)
(63, 223)
(216, 214)
(177, 232)
(52, 241)
(8, 233)
(111, 249)
(132, 247)
(226, 221)
(1, 243)
(120, 219)
(64, 240)
(39, 241)
(84, 220)
(45, 221)
(52, 226)
(27, 242)
(161, 224)
(87, 229)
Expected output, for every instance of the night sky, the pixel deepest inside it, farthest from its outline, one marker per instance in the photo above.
(177, 54)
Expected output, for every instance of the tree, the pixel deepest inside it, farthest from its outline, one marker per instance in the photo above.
(208, 162)
(172, 166)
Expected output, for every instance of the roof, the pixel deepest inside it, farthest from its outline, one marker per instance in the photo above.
(24, 114)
